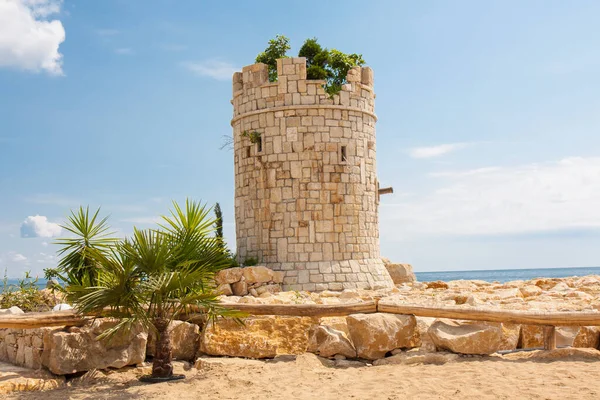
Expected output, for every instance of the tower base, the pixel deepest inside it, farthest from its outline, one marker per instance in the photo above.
(334, 275)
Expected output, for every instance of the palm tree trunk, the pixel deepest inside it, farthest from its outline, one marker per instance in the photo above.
(161, 364)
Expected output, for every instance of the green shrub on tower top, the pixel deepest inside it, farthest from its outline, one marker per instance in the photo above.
(321, 63)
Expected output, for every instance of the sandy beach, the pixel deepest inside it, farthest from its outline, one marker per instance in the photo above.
(526, 375)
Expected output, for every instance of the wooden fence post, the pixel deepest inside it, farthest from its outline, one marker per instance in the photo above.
(549, 337)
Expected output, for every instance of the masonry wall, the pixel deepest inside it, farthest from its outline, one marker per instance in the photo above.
(306, 195)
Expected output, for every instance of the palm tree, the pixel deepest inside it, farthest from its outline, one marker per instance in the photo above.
(91, 236)
(156, 276)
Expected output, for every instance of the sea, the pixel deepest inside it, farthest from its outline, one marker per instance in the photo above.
(507, 275)
(497, 275)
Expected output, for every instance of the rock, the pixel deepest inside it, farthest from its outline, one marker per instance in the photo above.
(465, 338)
(545, 284)
(418, 357)
(19, 379)
(23, 347)
(14, 310)
(258, 274)
(560, 287)
(328, 342)
(52, 283)
(278, 276)
(337, 323)
(224, 289)
(376, 334)
(259, 337)
(423, 324)
(252, 292)
(587, 336)
(240, 288)
(348, 364)
(504, 294)
(530, 290)
(436, 285)
(532, 336)
(571, 354)
(185, 340)
(268, 289)
(462, 284)
(400, 273)
(229, 275)
(61, 307)
(81, 350)
(510, 335)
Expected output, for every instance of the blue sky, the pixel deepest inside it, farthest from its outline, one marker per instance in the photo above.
(489, 119)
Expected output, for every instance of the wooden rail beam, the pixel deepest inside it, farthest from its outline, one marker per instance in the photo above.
(558, 318)
(307, 310)
(71, 318)
(42, 320)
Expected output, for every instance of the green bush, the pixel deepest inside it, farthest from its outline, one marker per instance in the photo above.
(277, 48)
(250, 262)
(321, 63)
(24, 294)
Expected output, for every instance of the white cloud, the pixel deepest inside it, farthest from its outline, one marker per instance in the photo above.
(215, 69)
(13, 256)
(39, 226)
(555, 196)
(124, 51)
(27, 39)
(436, 151)
(44, 258)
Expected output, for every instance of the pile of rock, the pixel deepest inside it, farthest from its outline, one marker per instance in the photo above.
(254, 281)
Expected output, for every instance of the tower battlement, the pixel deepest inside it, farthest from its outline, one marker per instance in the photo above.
(306, 190)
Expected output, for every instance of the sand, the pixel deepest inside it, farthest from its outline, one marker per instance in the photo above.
(518, 376)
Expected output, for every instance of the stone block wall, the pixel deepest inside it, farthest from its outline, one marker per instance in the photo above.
(23, 347)
(306, 193)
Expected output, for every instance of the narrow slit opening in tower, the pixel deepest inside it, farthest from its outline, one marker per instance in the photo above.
(248, 152)
(343, 154)
(259, 145)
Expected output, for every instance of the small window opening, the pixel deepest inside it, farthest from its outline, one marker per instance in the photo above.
(343, 154)
(248, 152)
(259, 145)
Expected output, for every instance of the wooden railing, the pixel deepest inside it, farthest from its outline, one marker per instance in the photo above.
(549, 320)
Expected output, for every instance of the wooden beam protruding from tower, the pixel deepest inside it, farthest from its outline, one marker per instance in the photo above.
(386, 190)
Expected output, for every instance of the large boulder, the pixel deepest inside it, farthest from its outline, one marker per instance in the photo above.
(376, 334)
(185, 340)
(229, 275)
(400, 273)
(257, 337)
(80, 349)
(465, 338)
(258, 274)
(328, 342)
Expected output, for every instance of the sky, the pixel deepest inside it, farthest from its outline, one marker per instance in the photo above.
(488, 131)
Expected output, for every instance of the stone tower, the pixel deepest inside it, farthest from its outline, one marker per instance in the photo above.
(306, 190)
